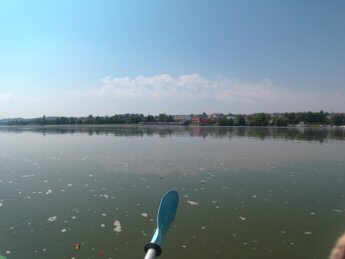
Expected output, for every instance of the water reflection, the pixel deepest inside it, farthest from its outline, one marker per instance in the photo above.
(308, 134)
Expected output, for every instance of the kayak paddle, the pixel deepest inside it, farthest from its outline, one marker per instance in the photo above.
(166, 215)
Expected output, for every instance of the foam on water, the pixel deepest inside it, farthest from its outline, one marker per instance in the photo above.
(51, 219)
(27, 175)
(117, 226)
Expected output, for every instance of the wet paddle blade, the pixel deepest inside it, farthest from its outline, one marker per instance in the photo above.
(166, 215)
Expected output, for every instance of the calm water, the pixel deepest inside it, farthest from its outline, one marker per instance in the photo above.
(244, 192)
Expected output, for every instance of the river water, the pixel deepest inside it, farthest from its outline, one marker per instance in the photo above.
(244, 192)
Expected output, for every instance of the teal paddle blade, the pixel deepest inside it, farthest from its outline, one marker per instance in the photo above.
(166, 215)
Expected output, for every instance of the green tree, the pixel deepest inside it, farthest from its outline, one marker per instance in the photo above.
(44, 120)
(240, 120)
(90, 119)
(338, 119)
(281, 121)
(224, 121)
(150, 118)
(163, 117)
(258, 119)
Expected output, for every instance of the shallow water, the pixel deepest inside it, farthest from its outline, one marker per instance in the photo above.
(244, 192)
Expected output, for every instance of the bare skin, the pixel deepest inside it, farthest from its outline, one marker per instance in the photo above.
(338, 251)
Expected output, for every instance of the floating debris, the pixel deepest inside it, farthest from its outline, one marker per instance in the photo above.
(192, 202)
(144, 214)
(77, 246)
(102, 225)
(117, 227)
(51, 219)
(101, 252)
(242, 218)
(307, 232)
(28, 175)
(63, 230)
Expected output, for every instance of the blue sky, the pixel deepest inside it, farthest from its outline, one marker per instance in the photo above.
(104, 57)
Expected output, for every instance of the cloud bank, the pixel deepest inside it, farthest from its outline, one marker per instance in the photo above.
(263, 95)
(185, 94)
(185, 87)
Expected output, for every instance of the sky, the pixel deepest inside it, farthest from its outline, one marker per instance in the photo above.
(105, 57)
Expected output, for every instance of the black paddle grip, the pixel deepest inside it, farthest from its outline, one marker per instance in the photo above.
(154, 246)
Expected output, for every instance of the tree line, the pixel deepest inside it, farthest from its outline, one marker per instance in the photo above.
(256, 119)
(285, 119)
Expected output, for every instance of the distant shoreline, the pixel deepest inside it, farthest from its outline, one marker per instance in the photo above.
(164, 125)
(292, 119)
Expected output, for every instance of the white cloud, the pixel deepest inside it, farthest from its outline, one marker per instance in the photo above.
(247, 96)
(6, 96)
(186, 87)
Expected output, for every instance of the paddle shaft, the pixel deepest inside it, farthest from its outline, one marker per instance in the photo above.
(151, 254)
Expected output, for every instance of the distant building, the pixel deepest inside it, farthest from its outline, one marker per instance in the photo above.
(231, 117)
(198, 120)
(215, 115)
(182, 117)
(301, 124)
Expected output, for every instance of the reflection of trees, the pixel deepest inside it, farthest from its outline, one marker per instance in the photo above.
(308, 134)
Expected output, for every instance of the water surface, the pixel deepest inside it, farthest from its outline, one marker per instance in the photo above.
(244, 192)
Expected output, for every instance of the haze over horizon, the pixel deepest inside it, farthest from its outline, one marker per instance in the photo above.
(75, 58)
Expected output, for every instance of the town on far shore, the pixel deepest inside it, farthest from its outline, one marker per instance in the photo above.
(287, 119)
